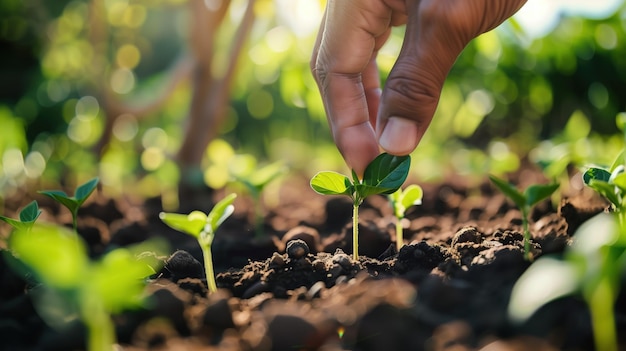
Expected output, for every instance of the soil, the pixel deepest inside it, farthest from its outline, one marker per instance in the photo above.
(298, 288)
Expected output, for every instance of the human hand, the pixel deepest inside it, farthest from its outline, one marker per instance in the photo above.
(361, 117)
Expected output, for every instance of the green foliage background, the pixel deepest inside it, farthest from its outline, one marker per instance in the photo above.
(507, 96)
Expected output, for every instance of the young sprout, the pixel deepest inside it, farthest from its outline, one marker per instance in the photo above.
(610, 183)
(203, 228)
(27, 217)
(401, 200)
(73, 203)
(384, 175)
(591, 267)
(524, 202)
(255, 182)
(90, 290)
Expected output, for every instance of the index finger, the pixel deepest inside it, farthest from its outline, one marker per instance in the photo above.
(351, 33)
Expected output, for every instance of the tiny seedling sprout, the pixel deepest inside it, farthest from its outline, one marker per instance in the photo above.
(524, 202)
(384, 175)
(401, 200)
(27, 217)
(591, 267)
(203, 228)
(610, 183)
(255, 182)
(90, 290)
(73, 203)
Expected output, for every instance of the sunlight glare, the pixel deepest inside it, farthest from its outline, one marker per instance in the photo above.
(122, 81)
(12, 162)
(539, 17)
(87, 107)
(301, 16)
(155, 137)
(152, 158)
(128, 56)
(34, 165)
(278, 39)
(125, 127)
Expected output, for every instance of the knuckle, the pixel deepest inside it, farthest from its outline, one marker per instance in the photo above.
(412, 98)
(419, 91)
(320, 72)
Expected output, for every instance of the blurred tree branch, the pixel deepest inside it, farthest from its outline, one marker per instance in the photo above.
(210, 89)
(112, 106)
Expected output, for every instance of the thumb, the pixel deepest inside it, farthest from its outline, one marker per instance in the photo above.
(413, 88)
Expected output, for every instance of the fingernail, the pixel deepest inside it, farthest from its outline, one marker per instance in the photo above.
(399, 136)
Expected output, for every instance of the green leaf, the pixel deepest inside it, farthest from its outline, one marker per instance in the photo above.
(331, 183)
(510, 191)
(545, 280)
(403, 199)
(387, 173)
(63, 199)
(597, 174)
(263, 176)
(119, 279)
(619, 181)
(192, 224)
(605, 189)
(56, 255)
(27, 216)
(222, 210)
(599, 231)
(412, 195)
(83, 191)
(535, 193)
(619, 161)
(252, 189)
(355, 178)
(15, 223)
(30, 212)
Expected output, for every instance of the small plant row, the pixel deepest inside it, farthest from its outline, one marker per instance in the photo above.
(57, 259)
(591, 267)
(29, 214)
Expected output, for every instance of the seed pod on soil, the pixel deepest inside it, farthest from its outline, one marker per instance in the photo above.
(297, 249)
(343, 260)
(467, 235)
(181, 264)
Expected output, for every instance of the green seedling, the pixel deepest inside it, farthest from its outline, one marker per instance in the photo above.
(384, 175)
(203, 228)
(255, 182)
(73, 203)
(524, 202)
(91, 291)
(591, 267)
(401, 200)
(610, 183)
(27, 217)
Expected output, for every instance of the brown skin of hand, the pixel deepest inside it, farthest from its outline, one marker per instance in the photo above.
(344, 66)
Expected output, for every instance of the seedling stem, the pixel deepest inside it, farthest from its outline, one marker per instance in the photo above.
(355, 231)
(203, 228)
(401, 200)
(384, 175)
(524, 202)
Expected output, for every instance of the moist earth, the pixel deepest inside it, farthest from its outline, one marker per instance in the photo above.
(297, 287)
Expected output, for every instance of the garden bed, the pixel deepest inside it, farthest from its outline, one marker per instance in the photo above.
(298, 288)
